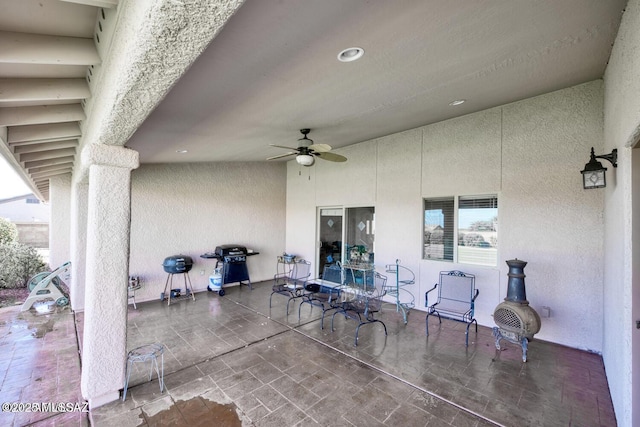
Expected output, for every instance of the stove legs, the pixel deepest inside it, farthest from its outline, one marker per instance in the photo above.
(523, 341)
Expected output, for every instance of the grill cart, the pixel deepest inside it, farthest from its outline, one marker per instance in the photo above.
(231, 264)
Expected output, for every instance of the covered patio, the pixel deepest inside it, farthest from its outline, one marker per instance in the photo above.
(233, 361)
(159, 128)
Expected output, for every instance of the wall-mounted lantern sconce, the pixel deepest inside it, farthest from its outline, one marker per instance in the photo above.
(593, 175)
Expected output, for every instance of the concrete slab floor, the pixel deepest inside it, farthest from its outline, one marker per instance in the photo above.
(232, 360)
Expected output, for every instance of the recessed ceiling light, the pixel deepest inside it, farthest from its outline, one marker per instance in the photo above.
(181, 151)
(350, 54)
(457, 102)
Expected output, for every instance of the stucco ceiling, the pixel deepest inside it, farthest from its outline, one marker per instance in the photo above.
(272, 70)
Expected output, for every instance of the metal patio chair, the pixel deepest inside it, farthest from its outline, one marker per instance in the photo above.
(454, 300)
(324, 292)
(362, 304)
(291, 282)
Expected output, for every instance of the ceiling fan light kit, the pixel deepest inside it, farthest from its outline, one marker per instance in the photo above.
(307, 151)
(305, 159)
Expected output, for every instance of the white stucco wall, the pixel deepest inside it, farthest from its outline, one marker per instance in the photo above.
(530, 153)
(78, 235)
(621, 130)
(547, 218)
(60, 223)
(189, 209)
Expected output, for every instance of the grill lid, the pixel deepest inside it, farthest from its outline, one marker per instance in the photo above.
(177, 264)
(226, 250)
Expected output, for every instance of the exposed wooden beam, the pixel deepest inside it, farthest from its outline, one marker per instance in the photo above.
(24, 48)
(50, 168)
(107, 4)
(20, 116)
(42, 90)
(50, 154)
(49, 174)
(47, 162)
(56, 145)
(34, 134)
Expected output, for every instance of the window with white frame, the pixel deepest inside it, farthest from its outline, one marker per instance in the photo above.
(461, 229)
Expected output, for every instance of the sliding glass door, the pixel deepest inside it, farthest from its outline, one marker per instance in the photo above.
(330, 237)
(345, 235)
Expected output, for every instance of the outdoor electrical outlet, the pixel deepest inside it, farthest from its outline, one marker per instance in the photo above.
(202, 272)
(546, 312)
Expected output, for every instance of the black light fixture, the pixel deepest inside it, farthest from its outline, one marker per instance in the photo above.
(593, 175)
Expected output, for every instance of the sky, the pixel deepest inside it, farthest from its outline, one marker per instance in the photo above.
(11, 184)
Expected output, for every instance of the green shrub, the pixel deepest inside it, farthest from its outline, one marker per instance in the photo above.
(8, 231)
(18, 263)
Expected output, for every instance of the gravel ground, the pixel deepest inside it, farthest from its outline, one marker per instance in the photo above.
(9, 297)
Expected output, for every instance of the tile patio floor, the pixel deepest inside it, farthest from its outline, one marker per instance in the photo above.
(233, 361)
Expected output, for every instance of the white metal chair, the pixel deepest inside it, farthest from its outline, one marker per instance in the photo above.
(455, 299)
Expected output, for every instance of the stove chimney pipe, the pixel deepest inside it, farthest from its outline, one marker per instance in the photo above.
(516, 291)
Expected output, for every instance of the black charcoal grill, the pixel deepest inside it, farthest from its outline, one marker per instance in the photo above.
(234, 263)
(177, 264)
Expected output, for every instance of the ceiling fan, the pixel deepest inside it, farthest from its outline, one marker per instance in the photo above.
(307, 151)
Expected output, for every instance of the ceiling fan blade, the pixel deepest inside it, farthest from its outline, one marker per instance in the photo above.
(332, 157)
(292, 153)
(282, 146)
(320, 148)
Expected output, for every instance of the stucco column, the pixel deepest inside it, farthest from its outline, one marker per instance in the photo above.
(59, 224)
(107, 270)
(78, 246)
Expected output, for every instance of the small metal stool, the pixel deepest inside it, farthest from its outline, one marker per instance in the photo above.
(143, 354)
(132, 287)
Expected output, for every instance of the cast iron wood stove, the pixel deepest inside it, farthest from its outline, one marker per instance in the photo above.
(517, 322)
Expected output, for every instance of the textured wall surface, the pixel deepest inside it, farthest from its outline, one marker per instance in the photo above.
(60, 225)
(189, 209)
(108, 220)
(78, 236)
(547, 218)
(169, 35)
(622, 296)
(462, 157)
(623, 380)
(530, 153)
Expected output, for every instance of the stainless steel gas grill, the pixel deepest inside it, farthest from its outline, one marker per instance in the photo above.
(234, 263)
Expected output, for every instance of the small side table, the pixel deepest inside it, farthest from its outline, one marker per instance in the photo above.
(145, 353)
(132, 287)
